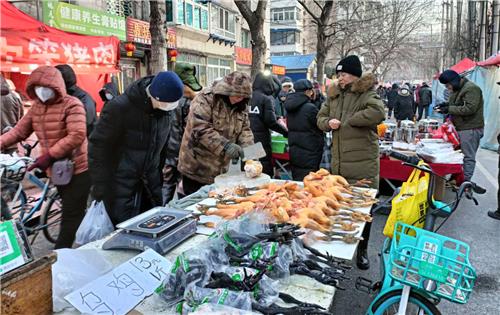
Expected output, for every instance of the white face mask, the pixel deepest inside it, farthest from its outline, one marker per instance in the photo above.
(165, 106)
(109, 96)
(44, 93)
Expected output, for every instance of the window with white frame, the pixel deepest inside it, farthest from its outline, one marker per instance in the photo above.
(285, 37)
(223, 22)
(192, 13)
(200, 62)
(245, 39)
(285, 14)
(217, 68)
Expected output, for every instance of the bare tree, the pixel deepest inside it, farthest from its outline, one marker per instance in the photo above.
(255, 20)
(158, 60)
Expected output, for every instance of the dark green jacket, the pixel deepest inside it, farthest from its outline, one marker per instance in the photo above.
(466, 106)
(355, 151)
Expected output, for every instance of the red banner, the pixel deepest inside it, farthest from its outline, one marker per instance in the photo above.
(171, 38)
(138, 31)
(243, 55)
(26, 43)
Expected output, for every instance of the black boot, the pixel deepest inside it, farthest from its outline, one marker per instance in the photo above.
(494, 214)
(362, 260)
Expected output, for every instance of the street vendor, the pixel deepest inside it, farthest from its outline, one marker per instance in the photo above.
(217, 130)
(352, 112)
(465, 106)
(128, 146)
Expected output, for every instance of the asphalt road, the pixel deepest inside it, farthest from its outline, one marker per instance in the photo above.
(469, 224)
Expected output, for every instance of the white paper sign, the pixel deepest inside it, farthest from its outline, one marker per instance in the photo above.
(121, 289)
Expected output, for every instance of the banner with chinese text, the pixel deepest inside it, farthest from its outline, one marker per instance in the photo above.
(243, 55)
(26, 43)
(81, 20)
(138, 31)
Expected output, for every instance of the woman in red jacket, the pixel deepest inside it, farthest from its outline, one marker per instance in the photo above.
(58, 121)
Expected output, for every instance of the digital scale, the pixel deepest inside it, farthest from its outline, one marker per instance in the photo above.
(160, 229)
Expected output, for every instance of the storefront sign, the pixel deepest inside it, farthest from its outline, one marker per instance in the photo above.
(81, 20)
(171, 38)
(138, 31)
(278, 70)
(243, 55)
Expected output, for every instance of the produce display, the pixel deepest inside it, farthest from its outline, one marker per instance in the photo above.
(324, 203)
(241, 264)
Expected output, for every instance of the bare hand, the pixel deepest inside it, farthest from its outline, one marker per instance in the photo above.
(334, 124)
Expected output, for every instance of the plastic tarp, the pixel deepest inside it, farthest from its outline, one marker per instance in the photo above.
(26, 43)
(463, 65)
(492, 61)
(485, 78)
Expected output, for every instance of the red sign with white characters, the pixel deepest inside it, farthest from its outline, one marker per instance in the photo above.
(243, 55)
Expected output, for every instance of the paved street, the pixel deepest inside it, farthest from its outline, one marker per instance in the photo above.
(469, 224)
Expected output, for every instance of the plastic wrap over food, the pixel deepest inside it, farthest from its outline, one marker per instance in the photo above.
(216, 309)
(195, 296)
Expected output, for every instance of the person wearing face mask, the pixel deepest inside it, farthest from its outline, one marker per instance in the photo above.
(465, 107)
(58, 121)
(305, 139)
(171, 176)
(127, 149)
(217, 130)
(108, 92)
(352, 112)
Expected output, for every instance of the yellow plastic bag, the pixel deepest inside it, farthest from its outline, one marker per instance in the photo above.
(410, 205)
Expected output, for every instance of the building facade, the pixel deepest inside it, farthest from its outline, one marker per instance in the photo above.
(287, 28)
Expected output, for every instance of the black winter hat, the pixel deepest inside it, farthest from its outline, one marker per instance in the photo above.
(68, 75)
(302, 85)
(449, 76)
(351, 65)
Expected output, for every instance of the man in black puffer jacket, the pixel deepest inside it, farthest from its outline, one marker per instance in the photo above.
(305, 139)
(128, 146)
(263, 118)
(74, 90)
(391, 99)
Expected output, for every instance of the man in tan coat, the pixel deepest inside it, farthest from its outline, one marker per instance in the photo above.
(217, 130)
(352, 112)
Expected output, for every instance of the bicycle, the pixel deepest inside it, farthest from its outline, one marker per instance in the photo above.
(42, 213)
(420, 267)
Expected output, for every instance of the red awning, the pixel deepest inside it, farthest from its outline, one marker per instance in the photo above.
(463, 65)
(492, 61)
(26, 43)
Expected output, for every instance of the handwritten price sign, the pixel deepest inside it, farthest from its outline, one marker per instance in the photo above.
(120, 290)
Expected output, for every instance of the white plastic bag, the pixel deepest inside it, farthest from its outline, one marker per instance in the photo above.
(95, 225)
(74, 269)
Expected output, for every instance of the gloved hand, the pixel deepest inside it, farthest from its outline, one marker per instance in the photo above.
(443, 109)
(42, 162)
(234, 151)
(98, 192)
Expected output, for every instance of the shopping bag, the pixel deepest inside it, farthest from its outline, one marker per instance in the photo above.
(95, 225)
(410, 205)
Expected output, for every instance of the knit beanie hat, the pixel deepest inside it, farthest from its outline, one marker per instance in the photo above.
(449, 76)
(351, 65)
(165, 90)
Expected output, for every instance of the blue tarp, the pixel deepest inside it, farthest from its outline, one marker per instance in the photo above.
(297, 75)
(485, 78)
(296, 62)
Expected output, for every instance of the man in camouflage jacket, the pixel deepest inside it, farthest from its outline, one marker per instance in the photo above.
(217, 129)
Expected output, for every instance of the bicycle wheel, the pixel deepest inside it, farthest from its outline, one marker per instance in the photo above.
(51, 218)
(388, 304)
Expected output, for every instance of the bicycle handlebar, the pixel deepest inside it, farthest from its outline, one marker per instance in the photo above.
(411, 160)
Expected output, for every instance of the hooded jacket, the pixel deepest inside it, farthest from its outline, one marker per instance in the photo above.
(12, 107)
(466, 106)
(391, 96)
(425, 96)
(59, 124)
(305, 139)
(72, 89)
(127, 152)
(261, 114)
(211, 124)
(404, 107)
(108, 88)
(355, 150)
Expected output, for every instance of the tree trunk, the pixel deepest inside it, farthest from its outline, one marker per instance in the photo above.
(259, 48)
(321, 51)
(158, 61)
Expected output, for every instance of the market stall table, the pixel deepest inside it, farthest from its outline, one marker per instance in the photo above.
(282, 161)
